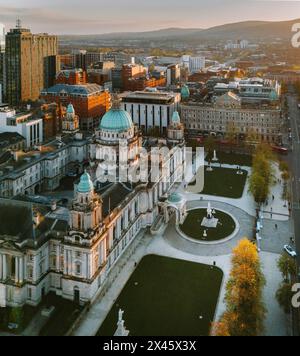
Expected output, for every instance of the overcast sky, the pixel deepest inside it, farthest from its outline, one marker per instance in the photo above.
(102, 16)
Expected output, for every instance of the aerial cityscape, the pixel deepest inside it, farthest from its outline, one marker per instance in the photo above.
(150, 169)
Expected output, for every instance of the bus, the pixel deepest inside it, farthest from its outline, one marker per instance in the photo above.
(281, 150)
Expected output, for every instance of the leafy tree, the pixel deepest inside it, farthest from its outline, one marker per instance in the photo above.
(245, 311)
(210, 144)
(284, 296)
(283, 166)
(16, 316)
(221, 328)
(258, 188)
(287, 266)
(261, 179)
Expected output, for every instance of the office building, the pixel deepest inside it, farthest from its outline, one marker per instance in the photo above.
(30, 62)
(90, 101)
(22, 123)
(193, 64)
(262, 123)
(2, 63)
(151, 109)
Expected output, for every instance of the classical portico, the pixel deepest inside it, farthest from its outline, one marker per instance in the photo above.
(12, 268)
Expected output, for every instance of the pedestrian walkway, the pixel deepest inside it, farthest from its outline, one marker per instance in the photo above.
(277, 323)
(276, 208)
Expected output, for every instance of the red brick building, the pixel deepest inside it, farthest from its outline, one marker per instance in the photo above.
(131, 71)
(52, 115)
(66, 61)
(140, 84)
(90, 101)
(71, 77)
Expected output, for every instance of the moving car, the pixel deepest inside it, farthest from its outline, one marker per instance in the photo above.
(289, 250)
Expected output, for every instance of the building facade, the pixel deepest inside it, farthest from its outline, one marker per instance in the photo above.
(151, 109)
(42, 169)
(22, 123)
(90, 101)
(227, 113)
(75, 258)
(30, 62)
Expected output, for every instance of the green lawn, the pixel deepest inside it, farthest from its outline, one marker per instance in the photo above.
(168, 299)
(224, 182)
(66, 312)
(232, 158)
(192, 226)
(20, 316)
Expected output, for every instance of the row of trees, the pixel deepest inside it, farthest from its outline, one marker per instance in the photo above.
(245, 311)
(288, 268)
(262, 176)
(285, 175)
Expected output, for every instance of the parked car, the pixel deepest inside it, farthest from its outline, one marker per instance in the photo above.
(289, 250)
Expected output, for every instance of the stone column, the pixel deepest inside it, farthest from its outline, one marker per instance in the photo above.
(1, 268)
(21, 277)
(57, 258)
(4, 269)
(70, 263)
(66, 261)
(16, 269)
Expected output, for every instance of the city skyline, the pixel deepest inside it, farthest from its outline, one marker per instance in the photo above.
(96, 17)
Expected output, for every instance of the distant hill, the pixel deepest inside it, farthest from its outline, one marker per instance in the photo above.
(249, 30)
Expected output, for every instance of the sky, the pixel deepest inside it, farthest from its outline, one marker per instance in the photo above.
(105, 16)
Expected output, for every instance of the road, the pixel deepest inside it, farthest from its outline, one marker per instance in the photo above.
(294, 161)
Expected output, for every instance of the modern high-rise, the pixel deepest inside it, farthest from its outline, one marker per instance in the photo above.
(31, 63)
(193, 64)
(2, 59)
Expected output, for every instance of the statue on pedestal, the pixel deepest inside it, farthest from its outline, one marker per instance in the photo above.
(121, 330)
(209, 211)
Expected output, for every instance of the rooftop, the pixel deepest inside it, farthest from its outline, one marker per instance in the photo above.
(82, 89)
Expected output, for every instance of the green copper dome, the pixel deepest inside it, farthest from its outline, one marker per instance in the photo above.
(185, 92)
(85, 185)
(70, 109)
(175, 198)
(273, 95)
(176, 118)
(116, 120)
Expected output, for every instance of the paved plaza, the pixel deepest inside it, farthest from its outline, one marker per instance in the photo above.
(171, 244)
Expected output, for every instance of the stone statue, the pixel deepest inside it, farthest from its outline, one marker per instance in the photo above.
(121, 330)
(121, 312)
(209, 211)
(215, 158)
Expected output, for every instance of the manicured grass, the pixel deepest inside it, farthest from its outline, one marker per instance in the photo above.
(192, 226)
(232, 158)
(224, 182)
(20, 316)
(166, 297)
(66, 312)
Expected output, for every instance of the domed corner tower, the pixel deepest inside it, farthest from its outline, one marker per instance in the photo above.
(185, 93)
(86, 211)
(175, 131)
(70, 122)
(118, 142)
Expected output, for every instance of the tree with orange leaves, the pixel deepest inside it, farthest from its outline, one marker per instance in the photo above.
(245, 311)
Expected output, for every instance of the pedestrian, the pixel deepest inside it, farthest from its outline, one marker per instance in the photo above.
(273, 197)
(276, 227)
